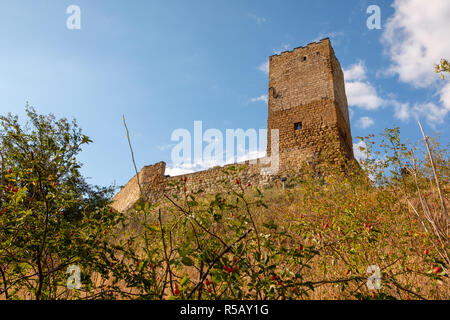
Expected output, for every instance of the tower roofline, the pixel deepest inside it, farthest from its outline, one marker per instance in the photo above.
(327, 39)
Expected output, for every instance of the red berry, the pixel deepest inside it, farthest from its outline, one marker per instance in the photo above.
(176, 291)
(437, 270)
(237, 181)
(9, 171)
(300, 248)
(208, 282)
(425, 252)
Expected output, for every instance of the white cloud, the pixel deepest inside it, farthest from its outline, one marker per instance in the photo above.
(190, 167)
(264, 67)
(431, 112)
(360, 93)
(365, 122)
(401, 110)
(445, 96)
(363, 95)
(415, 39)
(177, 171)
(355, 72)
(195, 166)
(263, 97)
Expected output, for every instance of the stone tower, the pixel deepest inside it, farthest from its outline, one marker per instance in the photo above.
(307, 102)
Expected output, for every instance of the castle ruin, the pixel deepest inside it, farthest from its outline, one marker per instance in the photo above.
(307, 104)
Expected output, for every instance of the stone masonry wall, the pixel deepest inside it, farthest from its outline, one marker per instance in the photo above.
(306, 85)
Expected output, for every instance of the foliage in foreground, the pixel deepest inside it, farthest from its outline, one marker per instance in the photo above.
(315, 239)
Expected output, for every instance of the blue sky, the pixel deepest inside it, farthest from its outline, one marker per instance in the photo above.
(164, 64)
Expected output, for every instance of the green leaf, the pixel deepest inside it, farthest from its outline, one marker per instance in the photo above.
(184, 280)
(187, 261)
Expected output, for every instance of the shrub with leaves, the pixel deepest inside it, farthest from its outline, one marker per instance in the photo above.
(50, 217)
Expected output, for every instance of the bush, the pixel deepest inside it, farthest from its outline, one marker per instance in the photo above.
(337, 236)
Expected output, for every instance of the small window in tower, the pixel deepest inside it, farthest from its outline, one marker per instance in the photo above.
(304, 58)
(297, 126)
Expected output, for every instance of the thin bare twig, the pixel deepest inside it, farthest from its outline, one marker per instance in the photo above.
(132, 154)
(436, 179)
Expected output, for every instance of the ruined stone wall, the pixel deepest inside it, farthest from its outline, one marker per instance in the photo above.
(211, 180)
(151, 180)
(154, 183)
